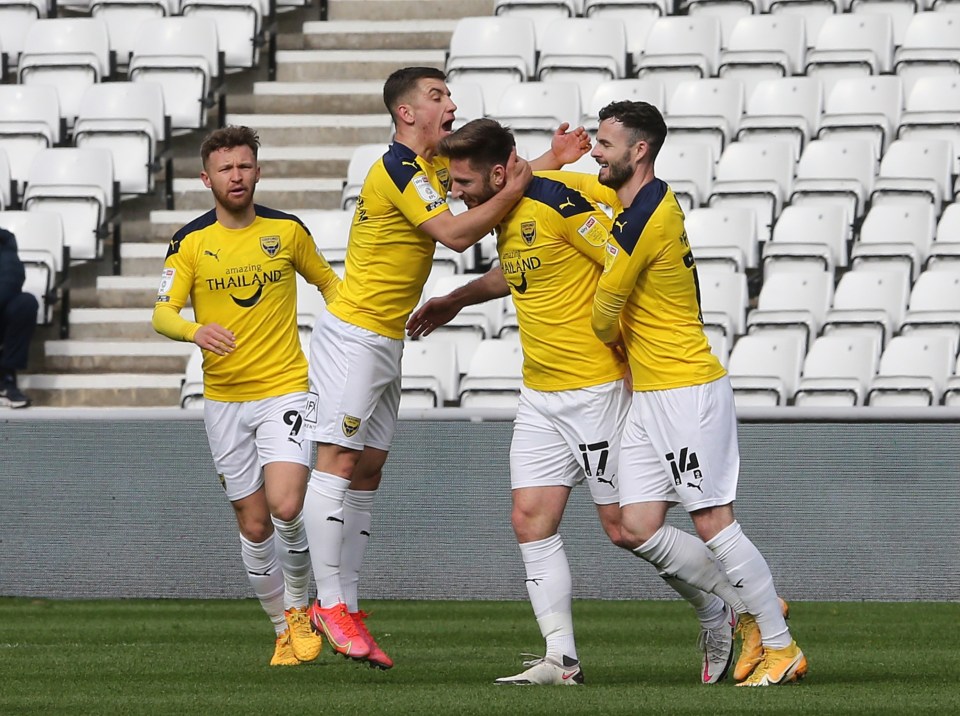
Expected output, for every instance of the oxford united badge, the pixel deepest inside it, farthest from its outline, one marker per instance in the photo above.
(528, 230)
(270, 245)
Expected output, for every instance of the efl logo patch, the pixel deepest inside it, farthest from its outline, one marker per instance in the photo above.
(270, 245)
(611, 256)
(593, 232)
(166, 280)
(350, 425)
(425, 189)
(528, 230)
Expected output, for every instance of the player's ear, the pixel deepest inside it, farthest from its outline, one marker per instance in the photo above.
(642, 150)
(498, 176)
(205, 178)
(404, 113)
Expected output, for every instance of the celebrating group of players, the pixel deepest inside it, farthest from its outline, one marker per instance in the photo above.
(620, 387)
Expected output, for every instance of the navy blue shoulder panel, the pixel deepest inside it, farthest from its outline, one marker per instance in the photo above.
(267, 213)
(630, 223)
(558, 196)
(401, 164)
(201, 222)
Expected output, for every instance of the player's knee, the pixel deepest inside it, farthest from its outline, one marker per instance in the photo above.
(337, 460)
(615, 533)
(256, 531)
(530, 526)
(288, 510)
(366, 481)
(634, 535)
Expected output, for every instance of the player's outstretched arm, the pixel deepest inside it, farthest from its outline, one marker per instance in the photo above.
(566, 147)
(462, 231)
(442, 309)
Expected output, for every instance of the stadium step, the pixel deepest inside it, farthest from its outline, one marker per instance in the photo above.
(422, 34)
(164, 224)
(119, 292)
(360, 97)
(345, 65)
(126, 324)
(143, 258)
(83, 356)
(311, 161)
(102, 390)
(407, 9)
(317, 129)
(317, 193)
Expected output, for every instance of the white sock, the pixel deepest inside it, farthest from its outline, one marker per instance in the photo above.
(710, 609)
(747, 568)
(680, 554)
(323, 519)
(357, 505)
(551, 594)
(266, 578)
(294, 555)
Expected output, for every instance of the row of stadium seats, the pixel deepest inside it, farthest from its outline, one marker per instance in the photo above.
(498, 51)
(127, 118)
(728, 12)
(115, 26)
(182, 54)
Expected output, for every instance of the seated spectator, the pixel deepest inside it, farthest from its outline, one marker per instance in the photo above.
(18, 319)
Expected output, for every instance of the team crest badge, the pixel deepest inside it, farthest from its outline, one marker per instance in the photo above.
(528, 230)
(270, 245)
(350, 425)
(443, 176)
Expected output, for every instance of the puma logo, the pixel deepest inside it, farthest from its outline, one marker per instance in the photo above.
(215, 255)
(411, 164)
(620, 225)
(566, 203)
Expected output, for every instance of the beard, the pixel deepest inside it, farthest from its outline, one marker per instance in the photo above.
(485, 194)
(234, 205)
(618, 173)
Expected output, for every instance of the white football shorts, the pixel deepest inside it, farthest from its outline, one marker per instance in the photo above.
(354, 385)
(680, 445)
(563, 437)
(246, 436)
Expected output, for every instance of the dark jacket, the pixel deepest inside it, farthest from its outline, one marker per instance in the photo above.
(11, 268)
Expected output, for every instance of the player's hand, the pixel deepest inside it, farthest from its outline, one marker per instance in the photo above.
(518, 173)
(434, 313)
(569, 145)
(215, 338)
(620, 351)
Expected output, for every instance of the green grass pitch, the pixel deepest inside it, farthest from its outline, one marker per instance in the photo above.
(210, 657)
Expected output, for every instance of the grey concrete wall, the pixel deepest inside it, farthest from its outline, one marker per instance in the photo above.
(132, 508)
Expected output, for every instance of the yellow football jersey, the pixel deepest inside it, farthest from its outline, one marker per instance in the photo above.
(650, 284)
(551, 248)
(589, 186)
(389, 257)
(244, 279)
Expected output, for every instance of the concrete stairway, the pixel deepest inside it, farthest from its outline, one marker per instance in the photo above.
(326, 100)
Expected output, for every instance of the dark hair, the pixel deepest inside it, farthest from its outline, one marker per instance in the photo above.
(642, 119)
(403, 81)
(484, 142)
(228, 138)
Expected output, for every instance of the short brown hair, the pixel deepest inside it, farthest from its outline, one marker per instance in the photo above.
(642, 119)
(483, 142)
(228, 138)
(403, 81)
